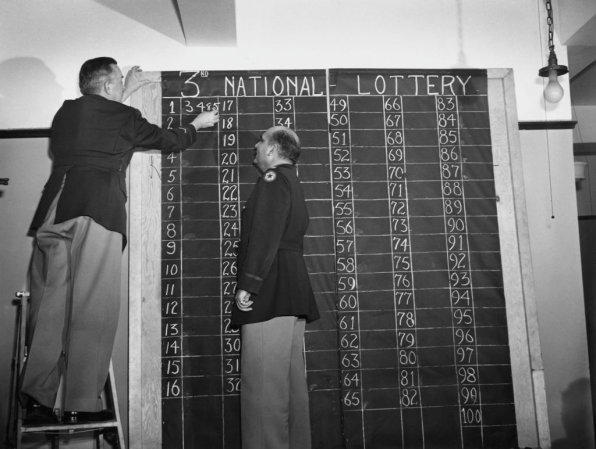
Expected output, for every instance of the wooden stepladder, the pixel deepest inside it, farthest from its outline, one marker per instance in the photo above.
(55, 432)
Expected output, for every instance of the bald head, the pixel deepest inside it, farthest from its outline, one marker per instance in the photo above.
(287, 141)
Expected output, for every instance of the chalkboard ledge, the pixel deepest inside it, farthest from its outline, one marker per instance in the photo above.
(555, 124)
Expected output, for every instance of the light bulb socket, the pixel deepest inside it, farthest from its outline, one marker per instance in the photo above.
(553, 65)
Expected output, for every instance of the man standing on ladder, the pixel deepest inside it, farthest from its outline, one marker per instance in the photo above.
(80, 231)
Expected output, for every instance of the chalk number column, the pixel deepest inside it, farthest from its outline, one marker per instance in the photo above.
(459, 270)
(346, 276)
(171, 267)
(229, 205)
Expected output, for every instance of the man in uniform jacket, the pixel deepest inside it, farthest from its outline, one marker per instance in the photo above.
(274, 299)
(80, 231)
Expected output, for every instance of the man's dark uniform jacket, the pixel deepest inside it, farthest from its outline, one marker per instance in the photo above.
(92, 142)
(270, 259)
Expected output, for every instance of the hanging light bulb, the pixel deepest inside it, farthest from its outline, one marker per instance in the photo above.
(553, 91)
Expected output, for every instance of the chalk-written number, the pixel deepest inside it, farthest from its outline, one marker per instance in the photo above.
(346, 283)
(407, 377)
(338, 104)
(342, 191)
(193, 87)
(469, 395)
(230, 248)
(228, 268)
(283, 104)
(172, 367)
(352, 399)
(172, 388)
(229, 210)
(392, 120)
(447, 120)
(231, 345)
(232, 365)
(230, 229)
(463, 317)
(350, 360)
(351, 379)
(471, 415)
(341, 155)
(345, 264)
(349, 341)
(347, 322)
(342, 173)
(392, 104)
(344, 246)
(232, 385)
(409, 397)
(338, 120)
(229, 192)
(445, 103)
(348, 302)
(344, 226)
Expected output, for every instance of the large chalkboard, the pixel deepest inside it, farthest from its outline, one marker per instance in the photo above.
(426, 338)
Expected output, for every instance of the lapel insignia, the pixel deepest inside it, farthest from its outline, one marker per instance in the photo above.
(270, 176)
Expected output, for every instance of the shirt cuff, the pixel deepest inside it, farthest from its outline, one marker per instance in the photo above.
(250, 282)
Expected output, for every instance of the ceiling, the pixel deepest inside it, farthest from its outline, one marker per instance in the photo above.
(581, 53)
(213, 23)
(210, 23)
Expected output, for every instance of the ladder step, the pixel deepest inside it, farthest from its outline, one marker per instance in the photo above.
(113, 424)
(70, 427)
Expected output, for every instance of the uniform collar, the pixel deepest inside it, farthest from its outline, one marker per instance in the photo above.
(285, 165)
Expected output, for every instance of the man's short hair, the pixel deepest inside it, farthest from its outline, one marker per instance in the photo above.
(93, 74)
(289, 143)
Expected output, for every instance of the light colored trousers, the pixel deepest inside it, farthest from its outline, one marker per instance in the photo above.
(75, 301)
(274, 393)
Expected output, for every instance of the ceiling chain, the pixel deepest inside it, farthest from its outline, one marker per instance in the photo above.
(549, 21)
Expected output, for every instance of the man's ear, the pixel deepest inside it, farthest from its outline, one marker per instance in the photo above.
(274, 147)
(107, 86)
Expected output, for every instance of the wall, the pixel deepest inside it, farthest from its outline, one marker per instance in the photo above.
(44, 43)
(26, 164)
(576, 14)
(586, 206)
(585, 131)
(552, 219)
(42, 62)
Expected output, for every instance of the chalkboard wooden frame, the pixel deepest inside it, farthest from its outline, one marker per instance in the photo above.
(145, 274)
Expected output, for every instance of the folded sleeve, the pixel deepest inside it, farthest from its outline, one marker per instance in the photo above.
(148, 135)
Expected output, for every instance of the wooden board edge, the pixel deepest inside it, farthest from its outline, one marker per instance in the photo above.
(526, 359)
(145, 280)
(530, 302)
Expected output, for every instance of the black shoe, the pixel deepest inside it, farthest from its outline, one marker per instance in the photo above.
(87, 417)
(38, 415)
